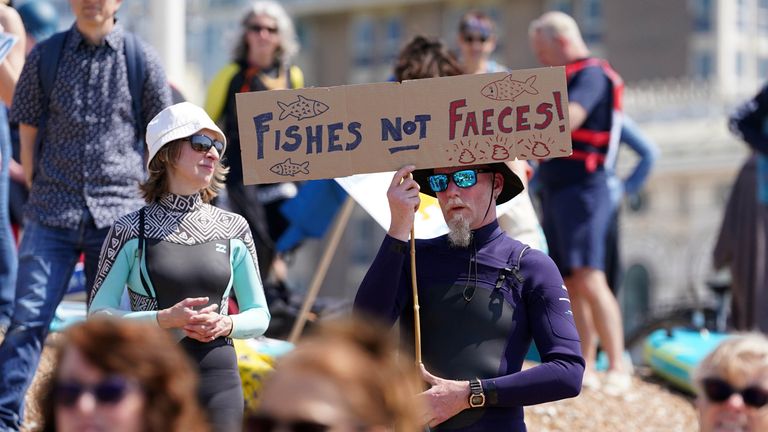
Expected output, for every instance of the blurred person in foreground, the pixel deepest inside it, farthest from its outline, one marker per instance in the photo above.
(262, 61)
(119, 376)
(484, 296)
(575, 192)
(732, 386)
(742, 245)
(347, 375)
(10, 69)
(82, 153)
(182, 258)
(477, 41)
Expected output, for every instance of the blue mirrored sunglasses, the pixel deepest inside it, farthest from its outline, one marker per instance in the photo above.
(463, 179)
(204, 143)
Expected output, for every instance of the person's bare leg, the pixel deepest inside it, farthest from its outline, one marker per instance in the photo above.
(582, 316)
(606, 315)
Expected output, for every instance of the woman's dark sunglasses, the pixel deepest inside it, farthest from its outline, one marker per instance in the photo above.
(468, 38)
(266, 423)
(110, 391)
(257, 28)
(718, 390)
(203, 144)
(463, 179)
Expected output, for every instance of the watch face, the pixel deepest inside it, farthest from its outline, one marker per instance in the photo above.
(477, 400)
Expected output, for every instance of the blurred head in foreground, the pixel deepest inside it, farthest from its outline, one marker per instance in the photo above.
(732, 386)
(347, 376)
(121, 376)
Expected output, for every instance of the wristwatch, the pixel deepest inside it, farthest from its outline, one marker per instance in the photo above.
(476, 395)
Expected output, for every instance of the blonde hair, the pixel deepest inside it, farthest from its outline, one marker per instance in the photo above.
(735, 360)
(157, 184)
(361, 358)
(556, 24)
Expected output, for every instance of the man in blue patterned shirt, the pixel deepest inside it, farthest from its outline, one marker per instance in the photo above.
(84, 178)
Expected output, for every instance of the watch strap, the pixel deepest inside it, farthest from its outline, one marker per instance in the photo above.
(476, 392)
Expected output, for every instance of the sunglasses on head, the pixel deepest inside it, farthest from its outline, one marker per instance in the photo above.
(463, 178)
(109, 391)
(468, 38)
(204, 143)
(718, 390)
(266, 423)
(258, 28)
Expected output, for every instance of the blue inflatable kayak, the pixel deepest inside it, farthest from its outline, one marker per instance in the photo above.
(674, 355)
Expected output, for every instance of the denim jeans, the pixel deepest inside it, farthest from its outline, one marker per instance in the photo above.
(7, 243)
(47, 258)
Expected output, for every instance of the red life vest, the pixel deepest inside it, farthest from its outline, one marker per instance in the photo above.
(594, 147)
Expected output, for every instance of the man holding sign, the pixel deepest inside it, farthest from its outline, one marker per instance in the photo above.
(484, 295)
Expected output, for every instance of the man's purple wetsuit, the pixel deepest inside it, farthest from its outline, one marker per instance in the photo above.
(516, 295)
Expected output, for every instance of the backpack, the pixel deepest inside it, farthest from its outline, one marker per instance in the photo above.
(50, 54)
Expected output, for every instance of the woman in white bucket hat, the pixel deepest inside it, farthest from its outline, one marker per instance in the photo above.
(182, 258)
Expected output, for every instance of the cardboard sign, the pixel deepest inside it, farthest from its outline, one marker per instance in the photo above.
(451, 121)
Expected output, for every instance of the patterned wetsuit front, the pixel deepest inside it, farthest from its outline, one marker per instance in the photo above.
(190, 249)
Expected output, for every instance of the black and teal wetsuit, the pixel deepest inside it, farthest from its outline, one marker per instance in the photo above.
(191, 249)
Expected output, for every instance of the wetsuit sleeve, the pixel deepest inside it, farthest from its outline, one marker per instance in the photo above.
(750, 121)
(588, 88)
(253, 319)
(383, 292)
(554, 332)
(115, 263)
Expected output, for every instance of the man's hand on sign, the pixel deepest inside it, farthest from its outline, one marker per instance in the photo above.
(444, 399)
(403, 196)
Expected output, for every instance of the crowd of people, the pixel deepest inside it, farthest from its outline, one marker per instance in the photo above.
(180, 258)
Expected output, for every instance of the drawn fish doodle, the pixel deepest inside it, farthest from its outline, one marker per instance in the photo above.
(302, 108)
(288, 168)
(508, 89)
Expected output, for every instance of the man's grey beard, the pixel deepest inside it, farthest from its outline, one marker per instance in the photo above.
(459, 234)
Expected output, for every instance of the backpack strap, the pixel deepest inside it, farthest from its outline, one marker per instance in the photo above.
(135, 65)
(50, 54)
(295, 78)
(140, 251)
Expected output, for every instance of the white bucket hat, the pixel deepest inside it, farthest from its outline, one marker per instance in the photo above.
(178, 121)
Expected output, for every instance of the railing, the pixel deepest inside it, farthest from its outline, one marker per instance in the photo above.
(676, 98)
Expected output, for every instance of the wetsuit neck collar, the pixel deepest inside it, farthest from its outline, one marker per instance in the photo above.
(486, 233)
(181, 203)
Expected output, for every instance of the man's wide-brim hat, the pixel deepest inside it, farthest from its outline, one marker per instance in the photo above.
(512, 183)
